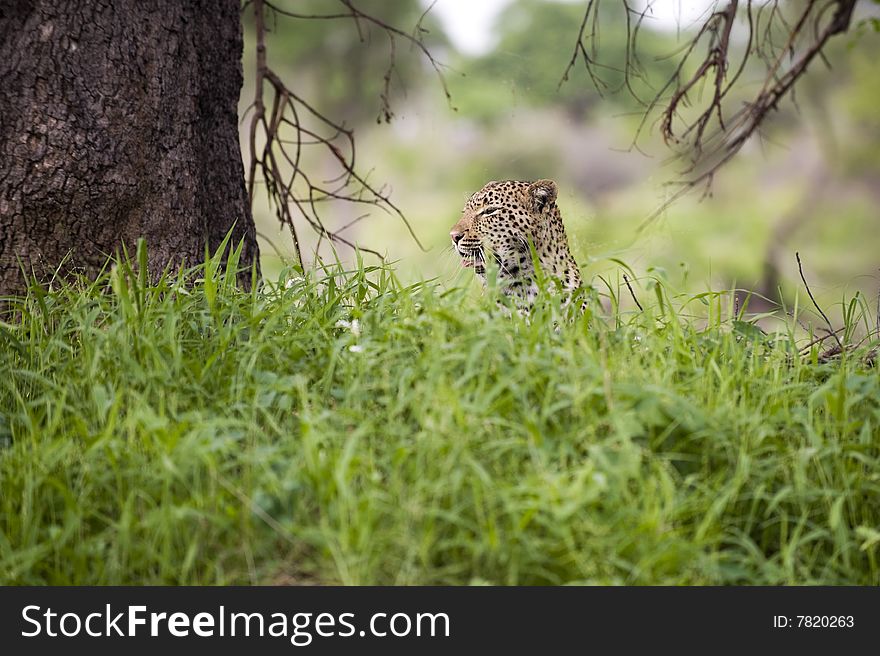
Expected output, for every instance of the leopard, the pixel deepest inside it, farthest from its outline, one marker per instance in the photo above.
(507, 219)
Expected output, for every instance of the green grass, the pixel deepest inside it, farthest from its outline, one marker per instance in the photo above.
(339, 427)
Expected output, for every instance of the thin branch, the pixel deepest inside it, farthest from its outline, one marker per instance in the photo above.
(706, 133)
(830, 327)
(632, 293)
(819, 340)
(283, 126)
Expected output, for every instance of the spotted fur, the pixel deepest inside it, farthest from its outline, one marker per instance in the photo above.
(501, 219)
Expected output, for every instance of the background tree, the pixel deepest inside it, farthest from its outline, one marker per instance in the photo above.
(118, 120)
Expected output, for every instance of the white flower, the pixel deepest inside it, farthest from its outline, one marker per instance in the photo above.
(354, 326)
(356, 348)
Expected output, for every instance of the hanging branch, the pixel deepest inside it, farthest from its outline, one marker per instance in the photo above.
(704, 132)
(284, 126)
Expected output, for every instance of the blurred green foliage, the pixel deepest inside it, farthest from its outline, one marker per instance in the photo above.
(536, 42)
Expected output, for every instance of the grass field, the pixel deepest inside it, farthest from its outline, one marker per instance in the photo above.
(339, 427)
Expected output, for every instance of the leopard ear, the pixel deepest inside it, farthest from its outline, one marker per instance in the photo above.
(542, 193)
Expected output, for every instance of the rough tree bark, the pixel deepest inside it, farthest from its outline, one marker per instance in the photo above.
(118, 120)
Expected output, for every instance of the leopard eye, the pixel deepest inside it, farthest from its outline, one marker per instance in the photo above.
(489, 211)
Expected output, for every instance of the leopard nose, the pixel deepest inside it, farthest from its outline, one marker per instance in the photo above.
(456, 237)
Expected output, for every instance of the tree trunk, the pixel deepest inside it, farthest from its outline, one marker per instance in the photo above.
(118, 120)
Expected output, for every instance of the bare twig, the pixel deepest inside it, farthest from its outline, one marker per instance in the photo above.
(632, 293)
(830, 327)
(834, 351)
(283, 126)
(707, 132)
(819, 340)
